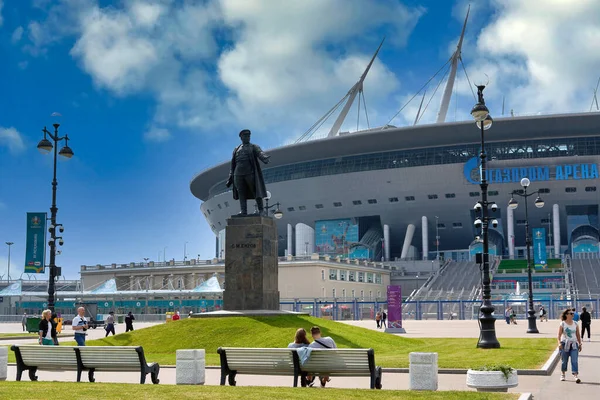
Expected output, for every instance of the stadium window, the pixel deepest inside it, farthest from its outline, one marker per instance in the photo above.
(351, 277)
(393, 199)
(432, 196)
(378, 281)
(361, 276)
(493, 193)
(369, 277)
(545, 221)
(544, 190)
(450, 195)
(344, 293)
(474, 194)
(290, 209)
(302, 208)
(318, 205)
(590, 188)
(521, 222)
(441, 225)
(353, 294)
(322, 274)
(333, 292)
(362, 294)
(337, 204)
(570, 190)
(356, 202)
(409, 198)
(333, 274)
(208, 211)
(457, 225)
(220, 208)
(342, 275)
(226, 203)
(372, 201)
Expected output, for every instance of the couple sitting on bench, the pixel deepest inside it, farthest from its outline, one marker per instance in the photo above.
(301, 342)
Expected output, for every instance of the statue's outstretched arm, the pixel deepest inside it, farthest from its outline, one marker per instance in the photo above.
(262, 156)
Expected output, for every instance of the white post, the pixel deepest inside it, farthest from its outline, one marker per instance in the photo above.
(290, 237)
(410, 231)
(510, 217)
(190, 367)
(3, 363)
(386, 241)
(425, 237)
(556, 233)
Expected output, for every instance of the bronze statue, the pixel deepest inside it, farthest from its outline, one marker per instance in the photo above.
(245, 174)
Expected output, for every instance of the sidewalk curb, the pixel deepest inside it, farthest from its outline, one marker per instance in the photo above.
(32, 337)
(526, 396)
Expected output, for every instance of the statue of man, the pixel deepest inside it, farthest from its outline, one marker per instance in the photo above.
(245, 174)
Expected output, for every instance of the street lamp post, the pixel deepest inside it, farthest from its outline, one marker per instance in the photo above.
(8, 271)
(437, 239)
(487, 334)
(45, 146)
(278, 214)
(539, 203)
(185, 251)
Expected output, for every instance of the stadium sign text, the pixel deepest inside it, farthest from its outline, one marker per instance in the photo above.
(534, 173)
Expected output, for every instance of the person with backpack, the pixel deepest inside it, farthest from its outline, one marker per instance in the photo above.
(383, 319)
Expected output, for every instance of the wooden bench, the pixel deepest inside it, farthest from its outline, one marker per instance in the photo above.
(87, 358)
(322, 362)
(116, 359)
(344, 362)
(248, 361)
(31, 358)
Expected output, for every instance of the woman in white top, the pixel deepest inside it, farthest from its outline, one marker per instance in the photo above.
(569, 344)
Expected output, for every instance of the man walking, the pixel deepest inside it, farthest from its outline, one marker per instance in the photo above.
(586, 321)
(80, 325)
(129, 322)
(24, 322)
(383, 319)
(110, 323)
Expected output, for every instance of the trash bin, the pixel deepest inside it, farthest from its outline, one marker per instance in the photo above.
(170, 316)
(120, 319)
(33, 324)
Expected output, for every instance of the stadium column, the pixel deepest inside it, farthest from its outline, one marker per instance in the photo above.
(556, 233)
(510, 217)
(386, 241)
(290, 238)
(425, 237)
(410, 231)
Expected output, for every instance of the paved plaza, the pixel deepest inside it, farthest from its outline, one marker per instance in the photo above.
(542, 387)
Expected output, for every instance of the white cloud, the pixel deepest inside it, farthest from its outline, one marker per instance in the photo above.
(543, 59)
(17, 35)
(12, 139)
(276, 69)
(23, 64)
(157, 135)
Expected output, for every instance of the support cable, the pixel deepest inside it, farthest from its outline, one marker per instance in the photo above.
(415, 95)
(365, 107)
(433, 94)
(468, 80)
(310, 131)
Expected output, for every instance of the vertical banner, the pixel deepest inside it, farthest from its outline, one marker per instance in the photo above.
(36, 243)
(539, 248)
(394, 306)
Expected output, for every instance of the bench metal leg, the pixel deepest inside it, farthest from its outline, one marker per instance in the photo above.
(378, 377)
(32, 375)
(79, 371)
(91, 376)
(143, 377)
(19, 373)
(223, 377)
(154, 374)
(232, 375)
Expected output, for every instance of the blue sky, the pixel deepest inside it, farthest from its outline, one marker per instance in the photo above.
(151, 92)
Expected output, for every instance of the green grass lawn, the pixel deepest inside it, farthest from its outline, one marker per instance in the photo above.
(24, 334)
(36, 390)
(161, 342)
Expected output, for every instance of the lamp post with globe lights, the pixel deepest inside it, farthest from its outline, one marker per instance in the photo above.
(487, 330)
(539, 203)
(45, 146)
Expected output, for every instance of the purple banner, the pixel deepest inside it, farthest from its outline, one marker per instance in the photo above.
(394, 306)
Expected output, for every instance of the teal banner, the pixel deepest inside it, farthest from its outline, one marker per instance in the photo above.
(539, 248)
(36, 243)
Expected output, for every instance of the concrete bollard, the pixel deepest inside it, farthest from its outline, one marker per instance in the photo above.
(190, 367)
(423, 371)
(3, 363)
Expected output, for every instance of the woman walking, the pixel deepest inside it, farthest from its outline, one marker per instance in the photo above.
(569, 344)
(47, 329)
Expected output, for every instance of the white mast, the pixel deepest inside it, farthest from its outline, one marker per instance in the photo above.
(454, 65)
(357, 88)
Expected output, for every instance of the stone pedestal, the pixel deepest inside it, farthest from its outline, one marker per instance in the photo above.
(3, 363)
(251, 270)
(190, 367)
(423, 371)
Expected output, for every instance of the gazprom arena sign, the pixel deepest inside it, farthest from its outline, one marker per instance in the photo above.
(562, 172)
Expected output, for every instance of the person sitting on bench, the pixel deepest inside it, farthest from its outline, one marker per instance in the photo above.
(321, 343)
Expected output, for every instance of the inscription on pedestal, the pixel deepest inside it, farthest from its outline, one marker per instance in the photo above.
(251, 269)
